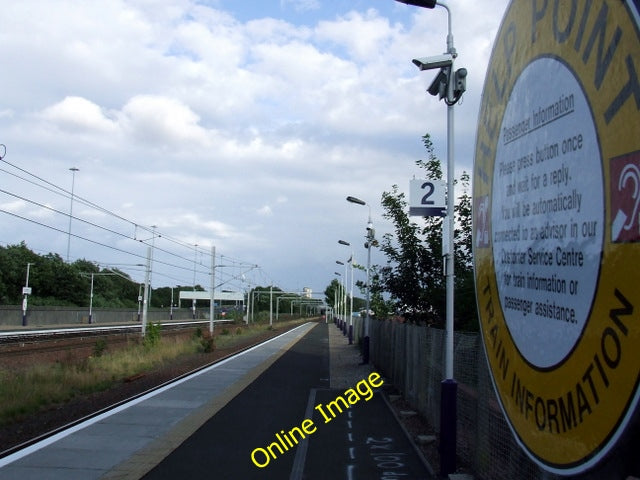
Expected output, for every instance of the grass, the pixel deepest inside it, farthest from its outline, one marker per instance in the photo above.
(27, 390)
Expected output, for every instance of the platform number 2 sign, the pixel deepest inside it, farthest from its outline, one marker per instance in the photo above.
(427, 198)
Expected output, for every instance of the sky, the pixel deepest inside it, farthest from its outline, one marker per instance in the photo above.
(242, 125)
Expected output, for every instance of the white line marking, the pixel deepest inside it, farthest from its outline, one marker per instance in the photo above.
(65, 433)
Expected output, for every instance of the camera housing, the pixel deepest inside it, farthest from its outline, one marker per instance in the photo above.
(430, 63)
(439, 85)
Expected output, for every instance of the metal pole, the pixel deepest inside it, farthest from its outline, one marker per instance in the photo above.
(449, 388)
(367, 320)
(335, 304)
(145, 298)
(91, 302)
(271, 305)
(193, 302)
(351, 305)
(450, 239)
(448, 393)
(73, 181)
(212, 308)
(248, 304)
(145, 294)
(346, 278)
(25, 300)
(171, 306)
(153, 244)
(370, 239)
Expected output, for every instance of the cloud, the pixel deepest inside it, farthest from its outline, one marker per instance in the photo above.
(157, 120)
(77, 114)
(265, 211)
(211, 121)
(374, 34)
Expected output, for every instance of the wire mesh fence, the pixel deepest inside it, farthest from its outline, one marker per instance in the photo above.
(412, 357)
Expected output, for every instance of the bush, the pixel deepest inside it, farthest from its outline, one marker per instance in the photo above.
(100, 347)
(152, 335)
(207, 345)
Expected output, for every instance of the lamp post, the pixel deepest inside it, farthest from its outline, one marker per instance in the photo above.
(371, 233)
(448, 85)
(193, 302)
(145, 297)
(350, 261)
(91, 301)
(73, 182)
(171, 306)
(26, 291)
(139, 300)
(336, 302)
(344, 298)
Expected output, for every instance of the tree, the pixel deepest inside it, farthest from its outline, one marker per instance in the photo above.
(413, 273)
(55, 282)
(466, 310)
(380, 307)
(333, 292)
(13, 269)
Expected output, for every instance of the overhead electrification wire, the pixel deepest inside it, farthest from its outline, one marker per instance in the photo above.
(189, 264)
(72, 234)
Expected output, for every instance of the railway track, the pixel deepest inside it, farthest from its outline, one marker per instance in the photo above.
(22, 336)
(49, 345)
(75, 424)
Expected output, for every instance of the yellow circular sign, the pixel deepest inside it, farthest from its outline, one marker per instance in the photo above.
(557, 226)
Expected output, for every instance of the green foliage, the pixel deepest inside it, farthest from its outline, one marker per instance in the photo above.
(57, 283)
(334, 292)
(152, 335)
(413, 275)
(263, 296)
(207, 344)
(100, 347)
(381, 308)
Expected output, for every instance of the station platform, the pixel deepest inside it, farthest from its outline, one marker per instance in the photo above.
(208, 424)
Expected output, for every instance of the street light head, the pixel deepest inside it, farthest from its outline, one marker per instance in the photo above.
(437, 61)
(339, 262)
(420, 3)
(356, 200)
(343, 242)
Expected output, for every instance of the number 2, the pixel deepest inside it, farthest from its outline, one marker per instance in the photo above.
(431, 187)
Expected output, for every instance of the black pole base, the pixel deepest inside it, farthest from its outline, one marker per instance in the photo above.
(350, 334)
(448, 420)
(365, 350)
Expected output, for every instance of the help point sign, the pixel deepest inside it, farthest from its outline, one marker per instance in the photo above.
(557, 226)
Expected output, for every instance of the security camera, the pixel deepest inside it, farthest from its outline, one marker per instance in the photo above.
(439, 85)
(430, 63)
(460, 82)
